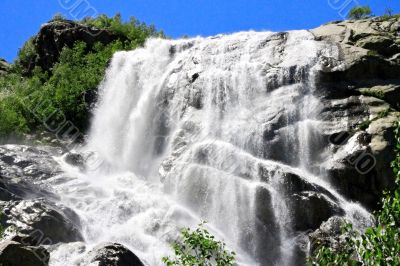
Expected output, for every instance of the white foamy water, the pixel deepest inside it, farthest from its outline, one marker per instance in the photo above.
(201, 129)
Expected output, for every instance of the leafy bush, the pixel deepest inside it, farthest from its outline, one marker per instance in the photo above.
(377, 93)
(378, 245)
(136, 32)
(360, 12)
(26, 55)
(78, 73)
(199, 248)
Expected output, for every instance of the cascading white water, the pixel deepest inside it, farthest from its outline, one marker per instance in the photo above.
(202, 129)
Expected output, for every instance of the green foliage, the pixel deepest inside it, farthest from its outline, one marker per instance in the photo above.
(27, 102)
(377, 93)
(364, 125)
(1, 227)
(135, 31)
(58, 17)
(360, 12)
(199, 248)
(26, 55)
(372, 53)
(384, 113)
(378, 245)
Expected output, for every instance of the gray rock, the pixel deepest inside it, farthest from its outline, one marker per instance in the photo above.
(310, 209)
(367, 47)
(113, 254)
(369, 66)
(23, 168)
(41, 222)
(15, 254)
(75, 159)
(4, 66)
(328, 234)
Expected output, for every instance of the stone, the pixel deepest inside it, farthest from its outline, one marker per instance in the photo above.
(381, 44)
(366, 48)
(4, 67)
(75, 159)
(55, 35)
(113, 254)
(310, 209)
(22, 168)
(328, 234)
(15, 254)
(42, 221)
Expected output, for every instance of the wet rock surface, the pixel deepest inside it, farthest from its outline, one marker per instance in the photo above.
(16, 254)
(328, 234)
(112, 254)
(31, 215)
(361, 96)
(41, 220)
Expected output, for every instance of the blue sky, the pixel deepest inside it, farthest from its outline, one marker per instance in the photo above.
(20, 19)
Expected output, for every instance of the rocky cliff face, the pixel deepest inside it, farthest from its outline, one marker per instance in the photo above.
(365, 93)
(360, 102)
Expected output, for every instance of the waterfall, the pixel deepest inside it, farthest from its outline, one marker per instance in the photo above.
(208, 129)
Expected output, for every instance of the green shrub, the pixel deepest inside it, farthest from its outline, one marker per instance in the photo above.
(377, 93)
(135, 31)
(78, 72)
(27, 55)
(360, 12)
(58, 17)
(378, 245)
(199, 248)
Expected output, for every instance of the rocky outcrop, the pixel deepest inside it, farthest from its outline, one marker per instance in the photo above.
(55, 35)
(370, 49)
(4, 66)
(361, 90)
(328, 235)
(30, 212)
(39, 220)
(22, 168)
(16, 254)
(112, 254)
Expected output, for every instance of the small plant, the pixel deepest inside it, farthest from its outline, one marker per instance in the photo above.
(360, 12)
(58, 17)
(377, 93)
(388, 12)
(199, 248)
(1, 227)
(384, 113)
(364, 125)
(372, 53)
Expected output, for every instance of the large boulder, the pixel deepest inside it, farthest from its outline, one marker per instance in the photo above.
(55, 35)
(369, 48)
(16, 254)
(328, 234)
(112, 254)
(40, 221)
